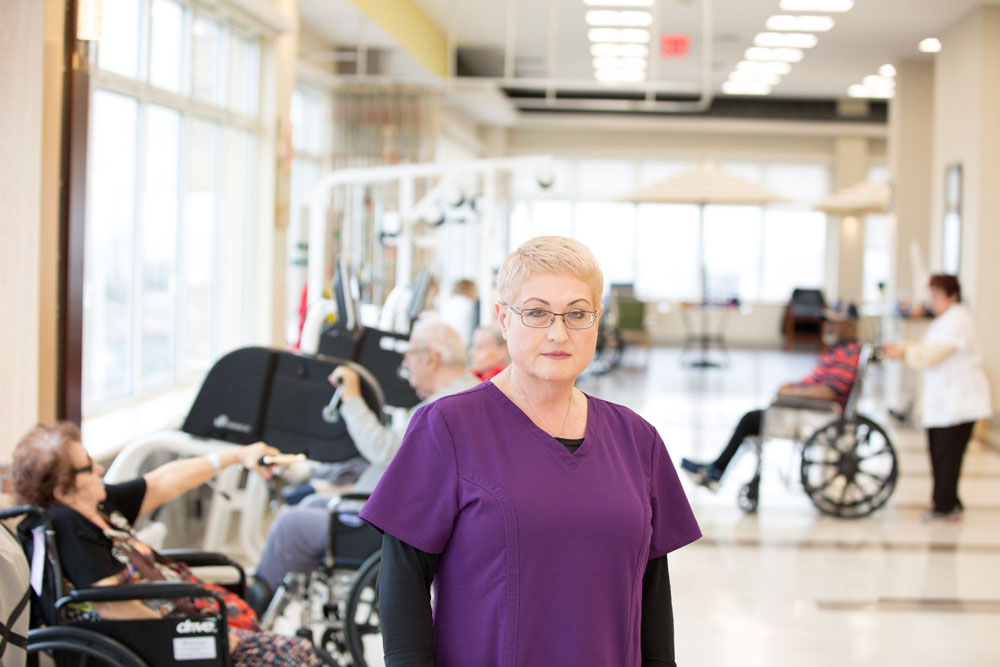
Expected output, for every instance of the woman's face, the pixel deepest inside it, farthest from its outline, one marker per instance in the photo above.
(89, 481)
(940, 301)
(556, 353)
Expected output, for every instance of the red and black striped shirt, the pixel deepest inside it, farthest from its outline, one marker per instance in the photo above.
(837, 368)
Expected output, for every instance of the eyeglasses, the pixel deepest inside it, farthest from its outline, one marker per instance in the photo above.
(87, 468)
(536, 318)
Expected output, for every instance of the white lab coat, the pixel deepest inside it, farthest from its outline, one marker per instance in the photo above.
(955, 390)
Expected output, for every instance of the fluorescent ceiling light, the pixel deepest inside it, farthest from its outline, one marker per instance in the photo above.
(887, 70)
(764, 78)
(619, 76)
(816, 5)
(781, 55)
(619, 3)
(763, 66)
(786, 22)
(627, 35)
(876, 82)
(617, 19)
(624, 50)
(733, 88)
(797, 40)
(930, 45)
(606, 62)
(859, 90)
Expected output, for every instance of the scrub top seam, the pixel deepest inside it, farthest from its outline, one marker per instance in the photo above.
(512, 598)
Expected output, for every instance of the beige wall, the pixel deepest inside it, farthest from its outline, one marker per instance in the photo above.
(29, 109)
(911, 125)
(966, 132)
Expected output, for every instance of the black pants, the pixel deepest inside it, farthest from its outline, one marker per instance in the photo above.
(947, 446)
(749, 425)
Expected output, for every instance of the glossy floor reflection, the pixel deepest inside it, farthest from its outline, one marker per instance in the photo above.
(790, 586)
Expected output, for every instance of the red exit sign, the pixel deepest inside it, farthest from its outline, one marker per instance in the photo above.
(674, 46)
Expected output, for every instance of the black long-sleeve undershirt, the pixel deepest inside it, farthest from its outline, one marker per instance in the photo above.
(404, 583)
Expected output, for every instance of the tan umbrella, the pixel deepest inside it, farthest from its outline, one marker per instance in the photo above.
(858, 199)
(706, 183)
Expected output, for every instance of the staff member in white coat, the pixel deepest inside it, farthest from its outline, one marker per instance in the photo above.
(955, 393)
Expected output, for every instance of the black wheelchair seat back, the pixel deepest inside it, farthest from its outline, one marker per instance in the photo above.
(279, 397)
(352, 540)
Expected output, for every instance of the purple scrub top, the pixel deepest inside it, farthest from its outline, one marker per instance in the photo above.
(542, 551)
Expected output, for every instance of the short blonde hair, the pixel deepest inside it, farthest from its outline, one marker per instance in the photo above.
(549, 254)
(438, 336)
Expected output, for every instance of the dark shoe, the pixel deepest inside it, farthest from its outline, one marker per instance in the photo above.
(703, 474)
(258, 595)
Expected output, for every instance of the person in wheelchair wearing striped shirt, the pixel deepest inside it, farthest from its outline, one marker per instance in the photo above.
(830, 380)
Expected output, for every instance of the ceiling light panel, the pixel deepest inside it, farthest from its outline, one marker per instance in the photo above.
(887, 70)
(618, 19)
(796, 40)
(930, 45)
(816, 5)
(618, 3)
(787, 23)
(780, 55)
(619, 50)
(771, 67)
(619, 35)
(734, 88)
(620, 76)
(605, 62)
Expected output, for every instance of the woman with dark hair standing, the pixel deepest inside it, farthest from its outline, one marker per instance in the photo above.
(955, 390)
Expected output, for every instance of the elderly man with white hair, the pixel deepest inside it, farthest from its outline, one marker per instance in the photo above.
(436, 363)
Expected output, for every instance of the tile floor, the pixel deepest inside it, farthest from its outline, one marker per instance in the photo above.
(790, 586)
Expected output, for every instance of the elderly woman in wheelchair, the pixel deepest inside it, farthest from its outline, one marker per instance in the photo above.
(97, 547)
(848, 465)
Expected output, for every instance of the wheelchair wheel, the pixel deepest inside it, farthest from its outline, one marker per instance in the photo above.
(66, 646)
(849, 467)
(750, 495)
(361, 621)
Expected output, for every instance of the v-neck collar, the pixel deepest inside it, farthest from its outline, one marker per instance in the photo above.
(572, 459)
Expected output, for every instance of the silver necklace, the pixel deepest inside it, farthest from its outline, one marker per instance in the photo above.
(550, 429)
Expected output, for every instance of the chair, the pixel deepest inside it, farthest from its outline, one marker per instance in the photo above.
(846, 462)
(632, 321)
(804, 317)
(343, 586)
(66, 636)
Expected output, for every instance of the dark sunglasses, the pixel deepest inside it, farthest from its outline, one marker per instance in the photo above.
(82, 469)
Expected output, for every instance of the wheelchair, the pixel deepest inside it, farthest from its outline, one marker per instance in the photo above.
(846, 463)
(61, 635)
(337, 603)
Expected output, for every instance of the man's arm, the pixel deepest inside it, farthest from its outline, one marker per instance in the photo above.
(373, 440)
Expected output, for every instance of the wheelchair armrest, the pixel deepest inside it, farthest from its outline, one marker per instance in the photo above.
(198, 558)
(148, 591)
(804, 403)
(355, 496)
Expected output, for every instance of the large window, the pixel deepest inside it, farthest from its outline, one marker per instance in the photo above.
(312, 144)
(679, 251)
(171, 197)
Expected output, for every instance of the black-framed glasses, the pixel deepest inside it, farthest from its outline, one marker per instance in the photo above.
(82, 469)
(538, 318)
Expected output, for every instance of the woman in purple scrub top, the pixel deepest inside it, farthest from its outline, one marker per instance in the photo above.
(542, 516)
